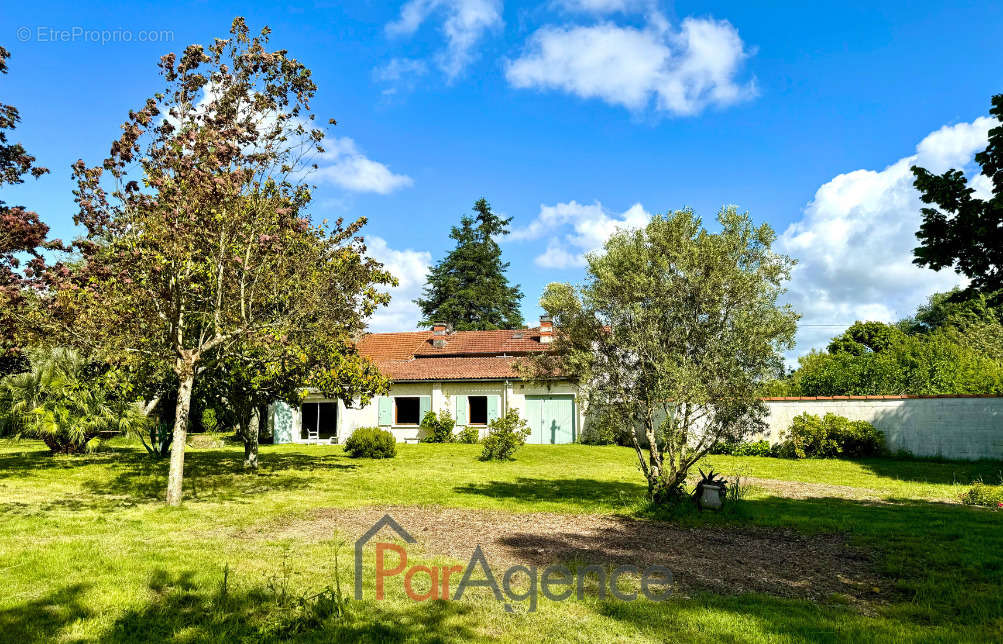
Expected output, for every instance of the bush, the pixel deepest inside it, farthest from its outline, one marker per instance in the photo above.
(982, 494)
(829, 437)
(64, 400)
(371, 442)
(506, 435)
(743, 448)
(468, 435)
(437, 428)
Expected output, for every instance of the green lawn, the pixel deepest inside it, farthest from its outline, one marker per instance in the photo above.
(89, 552)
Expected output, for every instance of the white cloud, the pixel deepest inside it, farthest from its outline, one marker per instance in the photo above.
(576, 229)
(682, 71)
(603, 6)
(854, 243)
(410, 267)
(465, 23)
(400, 73)
(344, 165)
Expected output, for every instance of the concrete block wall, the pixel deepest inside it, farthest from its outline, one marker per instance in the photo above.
(964, 428)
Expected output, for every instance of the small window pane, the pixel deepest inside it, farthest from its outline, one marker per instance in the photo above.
(407, 410)
(478, 406)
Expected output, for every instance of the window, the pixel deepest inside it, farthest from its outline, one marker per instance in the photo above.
(478, 406)
(322, 417)
(407, 410)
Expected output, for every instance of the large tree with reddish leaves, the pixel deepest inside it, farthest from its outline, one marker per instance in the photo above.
(22, 236)
(198, 245)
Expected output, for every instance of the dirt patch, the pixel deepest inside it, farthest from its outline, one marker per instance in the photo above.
(802, 490)
(719, 559)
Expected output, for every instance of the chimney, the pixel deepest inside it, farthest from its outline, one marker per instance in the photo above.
(546, 329)
(439, 331)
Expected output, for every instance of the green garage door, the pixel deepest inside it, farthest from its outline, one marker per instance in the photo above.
(551, 419)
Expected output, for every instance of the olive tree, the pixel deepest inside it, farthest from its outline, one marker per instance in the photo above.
(673, 331)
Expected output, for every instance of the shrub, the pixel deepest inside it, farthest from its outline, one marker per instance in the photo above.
(507, 434)
(606, 428)
(371, 442)
(437, 428)
(743, 448)
(829, 437)
(65, 401)
(468, 435)
(982, 494)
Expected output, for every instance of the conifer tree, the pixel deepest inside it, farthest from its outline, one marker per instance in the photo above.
(468, 287)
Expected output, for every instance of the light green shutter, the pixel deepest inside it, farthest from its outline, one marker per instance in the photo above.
(494, 405)
(424, 406)
(386, 412)
(461, 410)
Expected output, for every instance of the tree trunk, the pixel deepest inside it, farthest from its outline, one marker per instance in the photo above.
(176, 475)
(251, 434)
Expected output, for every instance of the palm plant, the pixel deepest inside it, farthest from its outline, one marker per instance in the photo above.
(62, 401)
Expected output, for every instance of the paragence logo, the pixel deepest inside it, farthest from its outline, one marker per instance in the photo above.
(555, 582)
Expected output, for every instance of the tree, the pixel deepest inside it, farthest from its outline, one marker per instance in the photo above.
(468, 288)
(197, 242)
(864, 337)
(963, 231)
(673, 332)
(65, 400)
(22, 233)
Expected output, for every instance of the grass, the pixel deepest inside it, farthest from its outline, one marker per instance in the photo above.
(89, 552)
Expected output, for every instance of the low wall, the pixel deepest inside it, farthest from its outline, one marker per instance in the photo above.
(966, 428)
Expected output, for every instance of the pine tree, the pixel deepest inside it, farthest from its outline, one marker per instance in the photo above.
(468, 288)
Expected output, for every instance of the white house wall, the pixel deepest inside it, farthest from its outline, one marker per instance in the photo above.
(512, 395)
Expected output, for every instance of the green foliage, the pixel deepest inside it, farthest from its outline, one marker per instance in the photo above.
(948, 347)
(743, 448)
(371, 442)
(437, 427)
(506, 434)
(65, 401)
(864, 337)
(830, 437)
(468, 288)
(961, 231)
(468, 435)
(605, 427)
(981, 494)
(672, 335)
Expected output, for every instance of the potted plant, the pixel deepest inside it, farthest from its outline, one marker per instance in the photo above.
(711, 491)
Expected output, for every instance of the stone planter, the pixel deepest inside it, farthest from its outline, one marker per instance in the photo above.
(710, 497)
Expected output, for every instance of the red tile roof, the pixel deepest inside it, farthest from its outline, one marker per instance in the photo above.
(467, 355)
(449, 368)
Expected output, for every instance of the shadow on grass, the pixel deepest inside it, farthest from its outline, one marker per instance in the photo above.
(41, 620)
(127, 476)
(181, 611)
(936, 471)
(537, 489)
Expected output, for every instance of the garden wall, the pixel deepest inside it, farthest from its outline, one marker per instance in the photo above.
(968, 428)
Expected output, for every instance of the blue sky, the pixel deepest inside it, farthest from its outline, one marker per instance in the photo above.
(572, 117)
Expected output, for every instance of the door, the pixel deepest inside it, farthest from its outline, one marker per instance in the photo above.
(551, 419)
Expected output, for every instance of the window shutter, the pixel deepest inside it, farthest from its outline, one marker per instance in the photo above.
(424, 406)
(494, 405)
(461, 410)
(386, 412)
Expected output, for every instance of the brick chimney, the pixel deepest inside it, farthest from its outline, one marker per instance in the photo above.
(546, 329)
(439, 331)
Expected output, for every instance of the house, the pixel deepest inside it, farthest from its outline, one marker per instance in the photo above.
(471, 374)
